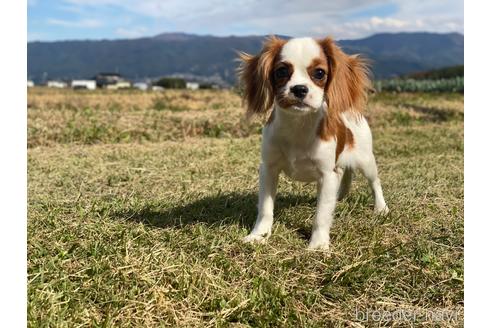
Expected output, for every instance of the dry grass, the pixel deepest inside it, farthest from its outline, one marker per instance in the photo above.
(131, 231)
(132, 116)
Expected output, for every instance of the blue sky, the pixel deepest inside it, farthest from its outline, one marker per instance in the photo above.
(112, 19)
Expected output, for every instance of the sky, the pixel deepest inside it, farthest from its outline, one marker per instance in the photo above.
(50, 20)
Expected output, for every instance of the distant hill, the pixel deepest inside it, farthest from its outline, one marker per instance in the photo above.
(210, 56)
(402, 53)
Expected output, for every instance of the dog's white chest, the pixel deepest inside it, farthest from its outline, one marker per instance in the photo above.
(301, 166)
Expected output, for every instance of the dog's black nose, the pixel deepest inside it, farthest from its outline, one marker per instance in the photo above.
(300, 91)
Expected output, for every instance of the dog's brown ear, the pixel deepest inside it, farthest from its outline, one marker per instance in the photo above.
(255, 76)
(348, 80)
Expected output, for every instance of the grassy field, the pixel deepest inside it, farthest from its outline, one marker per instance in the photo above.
(138, 203)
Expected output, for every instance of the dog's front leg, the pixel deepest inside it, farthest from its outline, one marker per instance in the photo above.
(327, 198)
(268, 189)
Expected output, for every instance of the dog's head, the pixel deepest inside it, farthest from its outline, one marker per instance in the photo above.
(300, 75)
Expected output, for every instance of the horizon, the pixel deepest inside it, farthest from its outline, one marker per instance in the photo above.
(234, 35)
(63, 20)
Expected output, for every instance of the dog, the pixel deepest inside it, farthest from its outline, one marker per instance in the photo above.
(315, 95)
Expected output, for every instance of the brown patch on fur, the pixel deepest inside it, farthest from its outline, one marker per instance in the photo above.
(279, 84)
(345, 90)
(348, 80)
(350, 139)
(335, 128)
(341, 139)
(318, 63)
(255, 73)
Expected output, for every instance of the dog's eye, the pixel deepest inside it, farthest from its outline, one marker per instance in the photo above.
(319, 74)
(282, 72)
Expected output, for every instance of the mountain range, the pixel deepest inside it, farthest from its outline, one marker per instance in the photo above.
(212, 58)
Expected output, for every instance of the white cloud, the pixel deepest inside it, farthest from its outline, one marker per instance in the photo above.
(316, 17)
(388, 22)
(93, 2)
(372, 25)
(179, 9)
(83, 23)
(134, 32)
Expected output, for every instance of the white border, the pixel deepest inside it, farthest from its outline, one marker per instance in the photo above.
(478, 170)
(13, 191)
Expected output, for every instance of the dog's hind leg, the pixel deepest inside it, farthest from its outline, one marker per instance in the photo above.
(370, 171)
(345, 183)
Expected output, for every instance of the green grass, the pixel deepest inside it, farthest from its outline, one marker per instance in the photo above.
(451, 84)
(148, 232)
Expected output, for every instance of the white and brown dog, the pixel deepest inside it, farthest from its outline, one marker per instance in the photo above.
(315, 95)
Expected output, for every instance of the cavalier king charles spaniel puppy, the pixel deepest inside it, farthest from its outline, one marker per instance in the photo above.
(314, 94)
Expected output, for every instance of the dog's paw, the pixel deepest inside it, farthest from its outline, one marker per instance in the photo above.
(319, 242)
(381, 210)
(255, 238)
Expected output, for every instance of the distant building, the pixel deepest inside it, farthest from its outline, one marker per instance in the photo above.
(103, 80)
(56, 84)
(192, 85)
(119, 85)
(84, 84)
(141, 86)
(157, 88)
(30, 83)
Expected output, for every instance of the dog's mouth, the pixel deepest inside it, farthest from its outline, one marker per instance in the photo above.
(295, 105)
(292, 103)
